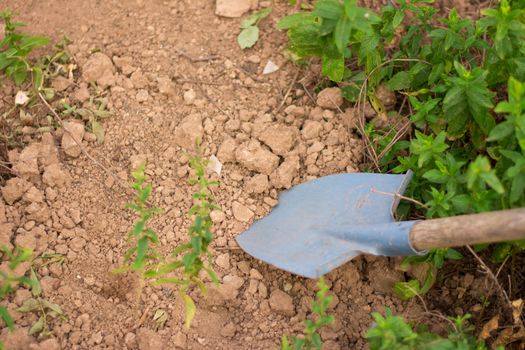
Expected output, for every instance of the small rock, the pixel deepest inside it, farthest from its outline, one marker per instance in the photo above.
(387, 97)
(257, 184)
(72, 138)
(330, 98)
(179, 340)
(166, 86)
(350, 118)
(228, 290)
(14, 189)
(279, 138)
(316, 147)
(142, 95)
(241, 213)
(90, 137)
(226, 152)
(6, 232)
(148, 340)
(189, 131)
(130, 339)
(34, 195)
(382, 278)
(77, 243)
(38, 212)
(232, 9)
(281, 303)
(82, 93)
(256, 274)
(3, 218)
(223, 261)
(229, 330)
(99, 68)
(27, 165)
(26, 240)
(296, 111)
(254, 58)
(189, 96)
(253, 157)
(311, 129)
(55, 176)
(217, 216)
(61, 83)
(286, 172)
(139, 80)
(137, 159)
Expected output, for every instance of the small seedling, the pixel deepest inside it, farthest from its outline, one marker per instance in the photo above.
(46, 309)
(193, 257)
(392, 332)
(311, 338)
(9, 280)
(190, 258)
(141, 256)
(250, 30)
(14, 49)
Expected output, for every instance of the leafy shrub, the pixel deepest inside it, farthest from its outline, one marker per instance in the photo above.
(392, 332)
(311, 338)
(467, 151)
(190, 258)
(14, 49)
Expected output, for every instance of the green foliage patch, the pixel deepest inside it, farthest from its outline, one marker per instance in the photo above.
(462, 85)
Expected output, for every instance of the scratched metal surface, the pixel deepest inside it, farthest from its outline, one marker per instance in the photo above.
(321, 224)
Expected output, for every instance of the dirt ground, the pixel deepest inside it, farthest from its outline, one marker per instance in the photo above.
(176, 72)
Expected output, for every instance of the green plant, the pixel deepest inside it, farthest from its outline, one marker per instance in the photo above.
(194, 256)
(392, 332)
(190, 258)
(311, 338)
(14, 49)
(10, 279)
(250, 30)
(467, 156)
(141, 257)
(42, 306)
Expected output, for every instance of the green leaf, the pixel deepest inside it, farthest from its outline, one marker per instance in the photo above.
(407, 290)
(501, 131)
(398, 18)
(453, 254)
(342, 33)
(330, 9)
(36, 289)
(54, 307)
(29, 305)
(400, 81)
(517, 189)
(98, 130)
(333, 64)
(256, 17)
(294, 20)
(190, 308)
(248, 37)
(38, 326)
(38, 78)
(142, 247)
(6, 317)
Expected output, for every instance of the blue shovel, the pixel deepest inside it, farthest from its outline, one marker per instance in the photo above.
(321, 224)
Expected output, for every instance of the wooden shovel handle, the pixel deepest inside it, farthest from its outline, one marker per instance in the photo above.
(496, 226)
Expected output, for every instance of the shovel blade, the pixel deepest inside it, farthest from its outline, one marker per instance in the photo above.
(321, 224)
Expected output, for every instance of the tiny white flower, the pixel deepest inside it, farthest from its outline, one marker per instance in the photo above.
(215, 165)
(21, 98)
